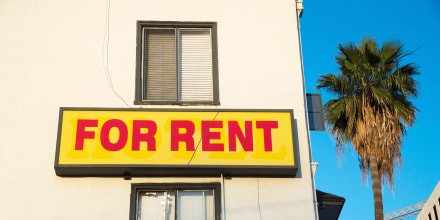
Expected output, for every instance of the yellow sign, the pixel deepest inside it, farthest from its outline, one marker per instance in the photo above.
(175, 137)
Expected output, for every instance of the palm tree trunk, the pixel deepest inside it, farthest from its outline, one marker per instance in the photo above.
(377, 190)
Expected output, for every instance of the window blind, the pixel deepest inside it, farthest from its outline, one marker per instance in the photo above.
(160, 64)
(195, 65)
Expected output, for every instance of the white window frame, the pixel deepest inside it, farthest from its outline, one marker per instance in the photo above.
(140, 97)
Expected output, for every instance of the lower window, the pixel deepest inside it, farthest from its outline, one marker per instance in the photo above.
(182, 201)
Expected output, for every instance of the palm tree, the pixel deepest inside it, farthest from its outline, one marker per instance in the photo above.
(373, 109)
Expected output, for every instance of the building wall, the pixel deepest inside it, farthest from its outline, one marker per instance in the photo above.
(432, 203)
(52, 55)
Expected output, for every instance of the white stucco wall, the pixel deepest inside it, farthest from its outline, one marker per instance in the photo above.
(51, 56)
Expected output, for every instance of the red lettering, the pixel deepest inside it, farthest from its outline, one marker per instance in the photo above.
(267, 127)
(105, 132)
(186, 137)
(82, 134)
(145, 137)
(235, 132)
(208, 135)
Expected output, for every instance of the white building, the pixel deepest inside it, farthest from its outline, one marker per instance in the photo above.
(185, 61)
(431, 208)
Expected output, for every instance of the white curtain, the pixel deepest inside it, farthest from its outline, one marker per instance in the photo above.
(191, 205)
(156, 206)
(196, 205)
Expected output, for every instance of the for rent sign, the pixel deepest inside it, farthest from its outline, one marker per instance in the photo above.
(138, 142)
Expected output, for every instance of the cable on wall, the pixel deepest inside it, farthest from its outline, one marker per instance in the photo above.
(201, 137)
(258, 195)
(105, 53)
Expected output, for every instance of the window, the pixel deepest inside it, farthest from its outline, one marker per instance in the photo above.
(176, 63)
(315, 112)
(185, 201)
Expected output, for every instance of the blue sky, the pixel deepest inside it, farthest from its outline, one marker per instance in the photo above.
(416, 24)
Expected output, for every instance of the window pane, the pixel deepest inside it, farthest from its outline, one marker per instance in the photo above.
(156, 205)
(196, 205)
(160, 64)
(195, 65)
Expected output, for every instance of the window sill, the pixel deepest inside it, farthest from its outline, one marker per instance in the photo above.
(177, 103)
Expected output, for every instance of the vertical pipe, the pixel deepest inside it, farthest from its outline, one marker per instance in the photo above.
(223, 195)
(204, 204)
(165, 195)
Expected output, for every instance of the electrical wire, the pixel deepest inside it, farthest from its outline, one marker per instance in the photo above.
(258, 195)
(105, 53)
(201, 137)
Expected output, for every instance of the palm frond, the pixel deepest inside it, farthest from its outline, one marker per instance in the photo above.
(336, 85)
(371, 54)
(402, 81)
(381, 96)
(349, 52)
